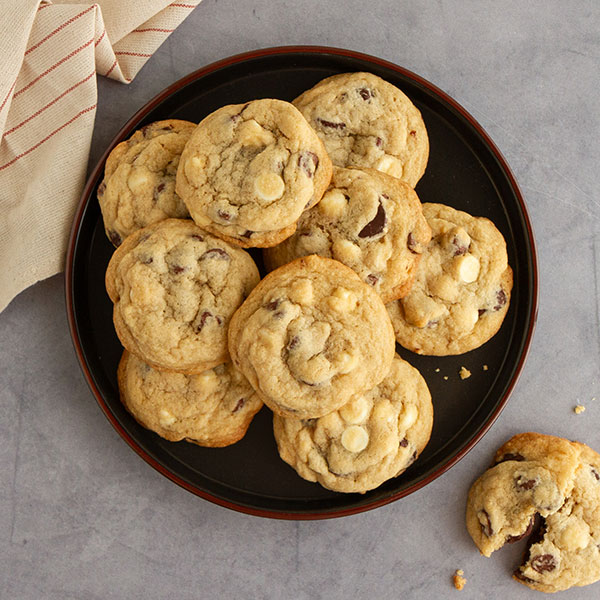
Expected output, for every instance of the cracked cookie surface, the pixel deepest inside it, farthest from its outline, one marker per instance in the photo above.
(364, 121)
(310, 336)
(461, 290)
(174, 289)
(372, 438)
(213, 408)
(138, 188)
(371, 222)
(550, 486)
(250, 170)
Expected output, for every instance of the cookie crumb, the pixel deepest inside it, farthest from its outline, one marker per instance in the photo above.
(593, 398)
(458, 579)
(485, 367)
(579, 409)
(437, 370)
(464, 373)
(446, 377)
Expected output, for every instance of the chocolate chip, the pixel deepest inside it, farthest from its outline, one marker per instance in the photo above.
(308, 162)
(375, 226)
(145, 129)
(239, 404)
(146, 260)
(379, 142)
(522, 577)
(101, 189)
(114, 237)
(511, 539)
(403, 443)
(219, 320)
(525, 484)
(197, 237)
(412, 244)
(413, 457)
(238, 116)
(511, 456)
(543, 562)
(365, 93)
(412, 132)
(481, 311)
(224, 215)
(293, 343)
(176, 269)
(595, 473)
(500, 299)
(247, 233)
(372, 279)
(487, 526)
(216, 253)
(157, 190)
(273, 304)
(331, 124)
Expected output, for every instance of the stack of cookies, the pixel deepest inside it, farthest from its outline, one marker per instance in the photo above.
(325, 186)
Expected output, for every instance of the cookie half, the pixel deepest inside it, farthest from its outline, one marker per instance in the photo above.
(369, 221)
(138, 188)
(250, 170)
(174, 289)
(213, 408)
(369, 440)
(310, 336)
(365, 121)
(461, 291)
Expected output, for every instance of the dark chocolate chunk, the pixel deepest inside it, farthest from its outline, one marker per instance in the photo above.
(511, 539)
(403, 443)
(412, 244)
(365, 93)
(595, 473)
(247, 233)
(543, 562)
(522, 577)
(459, 249)
(176, 269)
(203, 318)
(114, 237)
(216, 253)
(372, 279)
(481, 311)
(378, 142)
(239, 404)
(500, 299)
(487, 526)
(525, 484)
(273, 304)
(308, 162)
(375, 226)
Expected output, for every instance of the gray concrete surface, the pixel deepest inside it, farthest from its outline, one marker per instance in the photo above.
(82, 516)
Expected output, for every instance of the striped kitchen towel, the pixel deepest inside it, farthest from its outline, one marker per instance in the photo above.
(52, 52)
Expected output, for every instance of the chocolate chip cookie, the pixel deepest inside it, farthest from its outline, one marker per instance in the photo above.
(174, 288)
(369, 221)
(461, 291)
(369, 440)
(213, 408)
(138, 188)
(310, 336)
(549, 488)
(364, 121)
(250, 170)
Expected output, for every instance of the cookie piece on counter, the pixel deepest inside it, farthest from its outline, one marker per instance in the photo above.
(213, 408)
(310, 336)
(369, 221)
(138, 188)
(250, 170)
(369, 440)
(461, 291)
(364, 121)
(174, 289)
(547, 488)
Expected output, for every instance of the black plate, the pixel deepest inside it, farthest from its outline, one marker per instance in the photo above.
(465, 171)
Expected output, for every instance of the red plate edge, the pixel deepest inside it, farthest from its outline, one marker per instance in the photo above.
(91, 182)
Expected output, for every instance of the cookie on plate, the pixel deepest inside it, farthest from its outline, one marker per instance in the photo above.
(548, 487)
(369, 440)
(369, 221)
(461, 291)
(213, 408)
(174, 289)
(364, 121)
(138, 188)
(250, 170)
(310, 336)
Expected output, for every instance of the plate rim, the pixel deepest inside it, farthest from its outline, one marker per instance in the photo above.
(86, 196)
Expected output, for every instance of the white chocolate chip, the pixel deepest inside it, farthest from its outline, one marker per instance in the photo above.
(301, 292)
(345, 251)
(166, 418)
(138, 180)
(421, 310)
(576, 535)
(355, 439)
(333, 204)
(342, 300)
(250, 133)
(408, 417)
(465, 316)
(444, 287)
(356, 411)
(346, 362)
(390, 165)
(207, 382)
(467, 268)
(269, 186)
